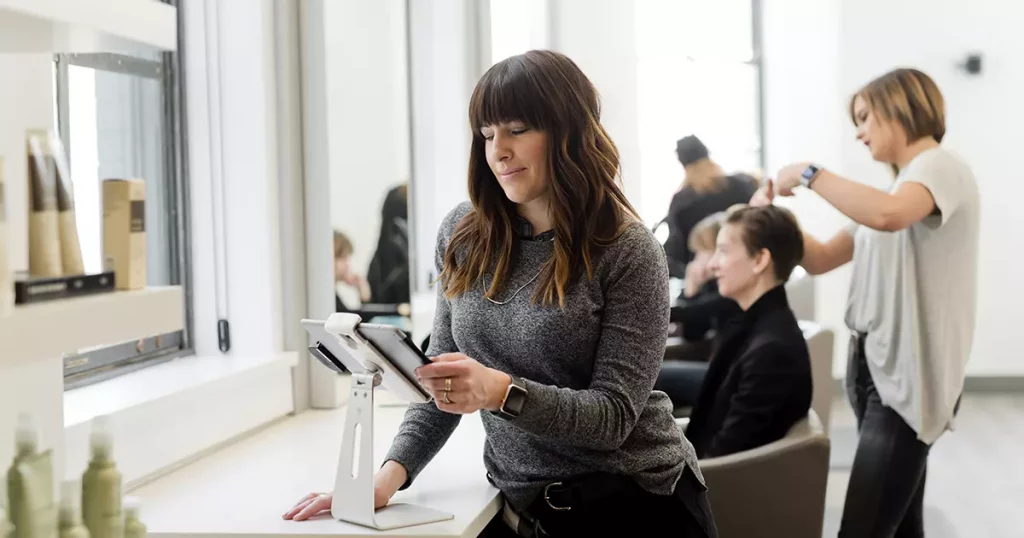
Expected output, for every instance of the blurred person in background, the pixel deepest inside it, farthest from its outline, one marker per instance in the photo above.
(706, 189)
(344, 274)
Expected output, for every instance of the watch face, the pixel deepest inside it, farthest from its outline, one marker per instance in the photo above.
(515, 400)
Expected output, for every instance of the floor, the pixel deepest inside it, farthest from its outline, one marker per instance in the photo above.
(975, 473)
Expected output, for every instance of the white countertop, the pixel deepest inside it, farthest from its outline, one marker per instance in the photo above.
(242, 490)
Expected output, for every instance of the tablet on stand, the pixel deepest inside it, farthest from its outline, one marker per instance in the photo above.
(375, 355)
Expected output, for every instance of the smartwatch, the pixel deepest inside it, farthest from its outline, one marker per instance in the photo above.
(515, 398)
(810, 174)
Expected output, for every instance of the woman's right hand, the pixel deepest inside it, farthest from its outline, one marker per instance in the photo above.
(764, 196)
(385, 484)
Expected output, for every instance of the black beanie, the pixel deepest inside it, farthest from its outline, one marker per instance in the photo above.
(690, 149)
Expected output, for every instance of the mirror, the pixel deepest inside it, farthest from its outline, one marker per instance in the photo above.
(369, 153)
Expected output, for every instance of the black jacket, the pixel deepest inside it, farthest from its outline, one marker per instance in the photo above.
(758, 383)
(688, 207)
(704, 312)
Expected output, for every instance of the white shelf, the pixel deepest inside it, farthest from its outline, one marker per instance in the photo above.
(86, 25)
(51, 329)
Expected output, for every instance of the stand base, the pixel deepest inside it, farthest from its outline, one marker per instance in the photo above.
(396, 516)
(353, 486)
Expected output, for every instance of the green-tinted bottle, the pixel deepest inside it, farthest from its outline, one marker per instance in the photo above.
(101, 485)
(133, 526)
(70, 514)
(6, 528)
(30, 485)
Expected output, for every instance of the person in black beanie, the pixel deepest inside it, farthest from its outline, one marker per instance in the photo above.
(706, 190)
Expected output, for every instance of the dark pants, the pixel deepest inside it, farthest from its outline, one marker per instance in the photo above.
(681, 380)
(631, 512)
(885, 497)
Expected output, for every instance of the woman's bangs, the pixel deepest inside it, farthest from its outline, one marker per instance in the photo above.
(505, 94)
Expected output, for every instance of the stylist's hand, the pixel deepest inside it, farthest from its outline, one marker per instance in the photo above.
(389, 478)
(764, 195)
(473, 385)
(788, 178)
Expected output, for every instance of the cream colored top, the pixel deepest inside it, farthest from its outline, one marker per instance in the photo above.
(914, 291)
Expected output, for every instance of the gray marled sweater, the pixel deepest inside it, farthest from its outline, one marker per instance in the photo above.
(589, 369)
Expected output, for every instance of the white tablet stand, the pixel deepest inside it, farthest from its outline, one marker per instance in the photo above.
(353, 486)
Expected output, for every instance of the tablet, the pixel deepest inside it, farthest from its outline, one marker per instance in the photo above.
(359, 355)
(396, 345)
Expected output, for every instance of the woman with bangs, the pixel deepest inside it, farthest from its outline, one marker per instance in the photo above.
(552, 314)
(911, 306)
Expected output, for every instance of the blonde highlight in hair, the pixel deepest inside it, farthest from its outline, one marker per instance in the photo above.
(705, 233)
(909, 97)
(704, 176)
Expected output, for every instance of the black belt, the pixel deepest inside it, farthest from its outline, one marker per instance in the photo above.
(562, 497)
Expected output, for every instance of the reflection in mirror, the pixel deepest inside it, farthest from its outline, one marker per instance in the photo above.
(369, 152)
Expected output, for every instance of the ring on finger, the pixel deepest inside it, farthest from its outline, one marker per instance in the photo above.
(447, 384)
(446, 400)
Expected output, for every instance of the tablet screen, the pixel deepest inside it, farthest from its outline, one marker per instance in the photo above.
(391, 342)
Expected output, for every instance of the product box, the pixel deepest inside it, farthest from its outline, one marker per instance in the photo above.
(124, 232)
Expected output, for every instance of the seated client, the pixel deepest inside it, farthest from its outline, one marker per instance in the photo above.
(759, 379)
(701, 311)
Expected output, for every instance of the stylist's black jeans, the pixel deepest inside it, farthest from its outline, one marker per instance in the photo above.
(885, 497)
(631, 512)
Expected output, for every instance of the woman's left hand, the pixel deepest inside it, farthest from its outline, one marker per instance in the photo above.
(788, 178)
(462, 385)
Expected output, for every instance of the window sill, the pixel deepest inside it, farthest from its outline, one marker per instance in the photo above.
(170, 413)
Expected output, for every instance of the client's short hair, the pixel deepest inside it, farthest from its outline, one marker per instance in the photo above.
(773, 228)
(705, 232)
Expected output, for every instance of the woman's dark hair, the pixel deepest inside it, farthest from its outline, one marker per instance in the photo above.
(546, 91)
(772, 228)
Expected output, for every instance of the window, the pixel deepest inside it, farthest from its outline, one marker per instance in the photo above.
(516, 27)
(120, 117)
(698, 72)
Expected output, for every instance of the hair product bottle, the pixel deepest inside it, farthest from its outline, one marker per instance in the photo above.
(6, 527)
(30, 485)
(43, 230)
(70, 514)
(101, 485)
(133, 526)
(70, 247)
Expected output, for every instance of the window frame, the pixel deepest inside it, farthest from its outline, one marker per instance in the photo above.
(99, 364)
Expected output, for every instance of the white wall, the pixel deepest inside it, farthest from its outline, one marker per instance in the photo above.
(804, 121)
(368, 117)
(599, 36)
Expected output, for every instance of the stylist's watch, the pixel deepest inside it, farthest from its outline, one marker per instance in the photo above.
(515, 398)
(810, 174)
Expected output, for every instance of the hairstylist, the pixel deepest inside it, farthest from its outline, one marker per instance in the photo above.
(912, 296)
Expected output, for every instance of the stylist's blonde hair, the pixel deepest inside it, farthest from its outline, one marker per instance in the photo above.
(911, 98)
